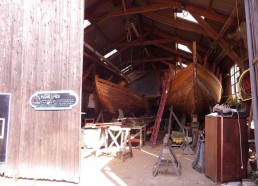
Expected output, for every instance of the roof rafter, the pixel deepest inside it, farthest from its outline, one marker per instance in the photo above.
(181, 54)
(224, 28)
(174, 38)
(210, 14)
(214, 35)
(178, 23)
(142, 9)
(125, 47)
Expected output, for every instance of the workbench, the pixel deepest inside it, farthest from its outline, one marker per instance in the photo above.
(119, 136)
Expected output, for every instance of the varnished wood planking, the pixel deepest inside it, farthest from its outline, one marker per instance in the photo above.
(46, 56)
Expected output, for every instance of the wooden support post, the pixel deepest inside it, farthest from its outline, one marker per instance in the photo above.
(217, 72)
(220, 78)
(180, 62)
(178, 122)
(213, 68)
(205, 60)
(100, 115)
(169, 120)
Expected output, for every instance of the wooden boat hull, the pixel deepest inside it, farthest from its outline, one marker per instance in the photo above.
(115, 97)
(181, 94)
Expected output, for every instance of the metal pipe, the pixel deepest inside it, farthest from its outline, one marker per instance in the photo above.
(252, 74)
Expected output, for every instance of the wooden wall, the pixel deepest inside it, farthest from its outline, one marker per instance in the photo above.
(251, 8)
(41, 45)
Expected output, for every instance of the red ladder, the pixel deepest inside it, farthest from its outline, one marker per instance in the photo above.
(165, 87)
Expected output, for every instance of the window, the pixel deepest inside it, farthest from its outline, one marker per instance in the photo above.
(235, 73)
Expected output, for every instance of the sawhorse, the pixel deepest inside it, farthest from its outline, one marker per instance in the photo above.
(199, 163)
(187, 150)
(167, 162)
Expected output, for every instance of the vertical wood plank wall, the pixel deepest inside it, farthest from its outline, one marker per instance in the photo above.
(41, 45)
(252, 13)
(254, 29)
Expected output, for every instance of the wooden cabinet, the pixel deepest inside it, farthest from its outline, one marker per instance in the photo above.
(223, 154)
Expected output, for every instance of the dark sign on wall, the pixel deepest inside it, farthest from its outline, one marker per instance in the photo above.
(54, 100)
(4, 123)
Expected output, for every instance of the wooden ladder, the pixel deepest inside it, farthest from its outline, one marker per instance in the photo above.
(165, 87)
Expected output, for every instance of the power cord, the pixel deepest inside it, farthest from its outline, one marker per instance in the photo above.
(225, 109)
(240, 137)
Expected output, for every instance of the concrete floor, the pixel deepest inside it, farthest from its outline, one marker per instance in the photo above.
(108, 170)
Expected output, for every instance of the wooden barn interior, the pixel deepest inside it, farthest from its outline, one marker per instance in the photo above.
(178, 75)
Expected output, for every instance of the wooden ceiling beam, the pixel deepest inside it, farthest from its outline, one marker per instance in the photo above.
(177, 39)
(210, 14)
(229, 21)
(209, 4)
(220, 57)
(153, 59)
(176, 23)
(97, 6)
(87, 72)
(112, 45)
(106, 61)
(124, 6)
(149, 60)
(214, 35)
(119, 50)
(147, 42)
(92, 26)
(96, 60)
(154, 42)
(141, 9)
(181, 54)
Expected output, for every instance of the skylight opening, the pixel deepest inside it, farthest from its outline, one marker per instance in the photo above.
(126, 69)
(86, 23)
(110, 53)
(184, 48)
(187, 16)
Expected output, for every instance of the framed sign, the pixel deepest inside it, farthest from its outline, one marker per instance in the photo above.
(54, 100)
(5, 99)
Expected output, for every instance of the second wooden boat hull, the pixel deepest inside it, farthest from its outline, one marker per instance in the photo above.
(115, 97)
(181, 94)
